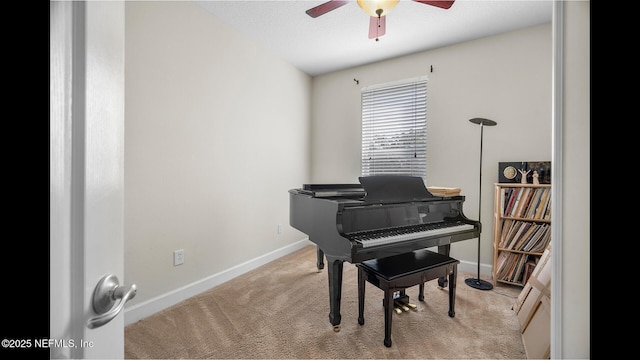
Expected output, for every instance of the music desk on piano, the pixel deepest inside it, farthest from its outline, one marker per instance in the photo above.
(382, 216)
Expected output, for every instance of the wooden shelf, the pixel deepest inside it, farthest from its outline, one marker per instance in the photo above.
(522, 230)
(525, 219)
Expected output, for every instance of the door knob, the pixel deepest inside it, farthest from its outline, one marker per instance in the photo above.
(107, 292)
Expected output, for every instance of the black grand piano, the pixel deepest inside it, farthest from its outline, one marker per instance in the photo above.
(382, 216)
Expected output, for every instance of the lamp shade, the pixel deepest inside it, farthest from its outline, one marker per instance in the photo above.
(371, 7)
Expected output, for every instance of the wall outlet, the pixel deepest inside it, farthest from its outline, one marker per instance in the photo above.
(279, 229)
(178, 257)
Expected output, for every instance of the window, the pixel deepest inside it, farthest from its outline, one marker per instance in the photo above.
(394, 128)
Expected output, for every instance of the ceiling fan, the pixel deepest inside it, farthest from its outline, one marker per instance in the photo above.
(377, 9)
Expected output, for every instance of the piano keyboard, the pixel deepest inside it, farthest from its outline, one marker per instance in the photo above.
(368, 239)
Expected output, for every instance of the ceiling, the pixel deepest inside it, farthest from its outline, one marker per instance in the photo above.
(339, 39)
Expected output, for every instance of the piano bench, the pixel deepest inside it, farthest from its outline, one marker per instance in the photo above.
(399, 272)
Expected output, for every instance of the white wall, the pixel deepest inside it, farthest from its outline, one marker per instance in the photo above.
(216, 134)
(574, 309)
(506, 78)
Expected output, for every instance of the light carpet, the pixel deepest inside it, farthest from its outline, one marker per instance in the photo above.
(280, 311)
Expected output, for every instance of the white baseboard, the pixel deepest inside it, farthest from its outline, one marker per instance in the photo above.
(471, 267)
(142, 310)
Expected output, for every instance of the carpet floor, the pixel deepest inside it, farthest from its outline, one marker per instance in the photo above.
(280, 311)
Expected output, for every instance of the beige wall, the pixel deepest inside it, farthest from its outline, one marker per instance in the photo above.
(216, 134)
(506, 78)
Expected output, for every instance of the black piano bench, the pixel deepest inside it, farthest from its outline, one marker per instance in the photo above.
(398, 272)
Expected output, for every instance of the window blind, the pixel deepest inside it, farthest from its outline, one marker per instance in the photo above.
(394, 128)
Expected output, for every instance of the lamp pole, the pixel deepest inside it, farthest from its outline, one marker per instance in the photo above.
(478, 283)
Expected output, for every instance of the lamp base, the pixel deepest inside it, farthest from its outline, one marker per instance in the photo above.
(478, 284)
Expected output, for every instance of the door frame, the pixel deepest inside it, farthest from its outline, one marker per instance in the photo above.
(86, 173)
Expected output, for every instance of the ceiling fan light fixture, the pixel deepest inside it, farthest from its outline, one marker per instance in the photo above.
(372, 7)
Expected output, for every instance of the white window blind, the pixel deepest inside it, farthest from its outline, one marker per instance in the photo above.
(394, 128)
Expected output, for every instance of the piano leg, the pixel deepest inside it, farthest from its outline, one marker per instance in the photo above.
(444, 250)
(320, 258)
(335, 290)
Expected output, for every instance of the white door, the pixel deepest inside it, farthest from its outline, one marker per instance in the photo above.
(86, 176)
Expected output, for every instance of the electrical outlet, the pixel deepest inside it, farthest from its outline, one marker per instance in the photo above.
(178, 257)
(279, 229)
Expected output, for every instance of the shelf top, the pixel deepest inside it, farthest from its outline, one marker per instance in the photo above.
(521, 185)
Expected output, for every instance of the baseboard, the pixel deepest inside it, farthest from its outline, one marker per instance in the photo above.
(142, 310)
(472, 267)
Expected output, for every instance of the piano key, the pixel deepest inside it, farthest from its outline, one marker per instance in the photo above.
(393, 237)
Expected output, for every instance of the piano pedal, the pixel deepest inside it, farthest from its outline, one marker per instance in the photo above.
(400, 307)
(412, 306)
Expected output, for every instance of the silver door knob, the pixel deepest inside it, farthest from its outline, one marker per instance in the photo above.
(107, 292)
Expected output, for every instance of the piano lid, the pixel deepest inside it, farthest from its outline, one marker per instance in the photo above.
(394, 189)
(333, 190)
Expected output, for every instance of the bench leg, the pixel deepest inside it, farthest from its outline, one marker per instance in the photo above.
(444, 250)
(361, 287)
(452, 291)
(388, 314)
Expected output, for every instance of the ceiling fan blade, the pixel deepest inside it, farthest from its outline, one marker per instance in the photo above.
(437, 3)
(377, 26)
(325, 8)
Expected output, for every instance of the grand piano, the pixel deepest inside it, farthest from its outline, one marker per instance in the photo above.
(383, 215)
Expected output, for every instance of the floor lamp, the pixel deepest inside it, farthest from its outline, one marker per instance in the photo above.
(478, 283)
